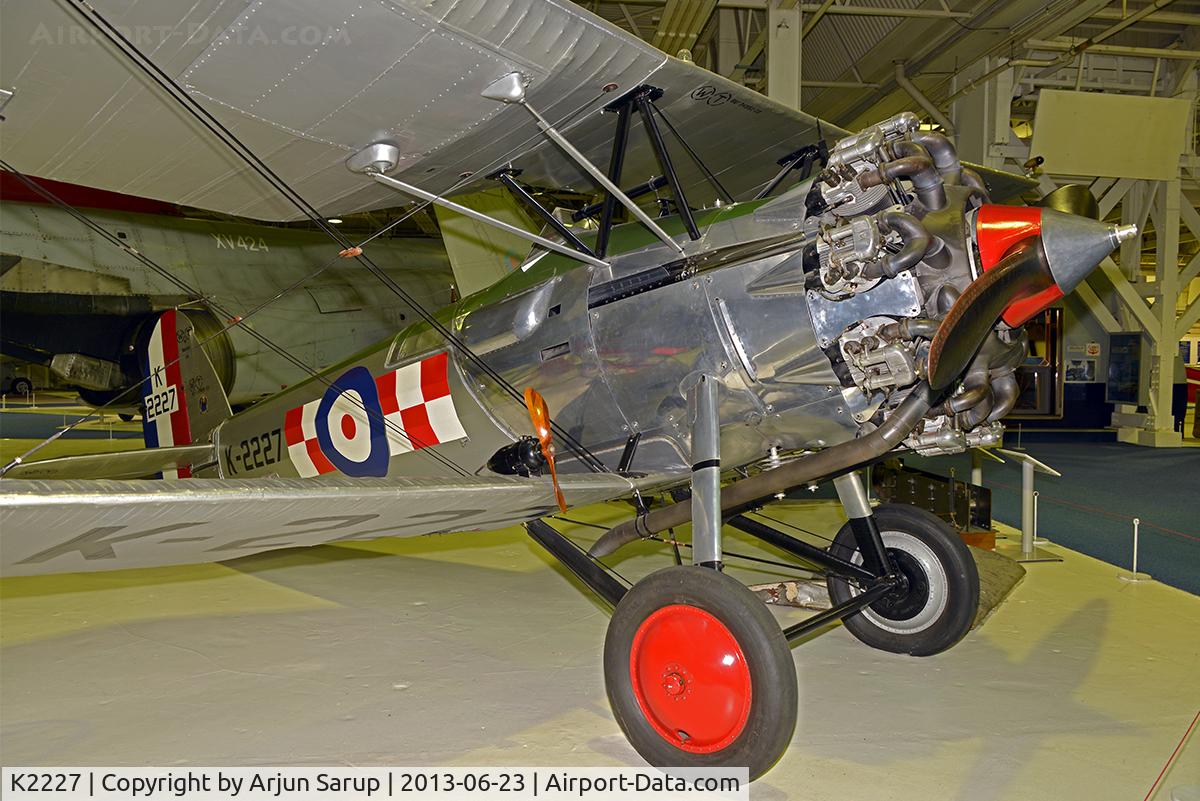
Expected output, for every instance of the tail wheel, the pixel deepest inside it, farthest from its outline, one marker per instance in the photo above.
(23, 387)
(935, 603)
(699, 674)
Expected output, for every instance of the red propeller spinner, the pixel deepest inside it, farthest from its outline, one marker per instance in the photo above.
(1072, 245)
(1028, 258)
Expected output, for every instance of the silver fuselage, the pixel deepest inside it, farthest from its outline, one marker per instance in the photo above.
(612, 351)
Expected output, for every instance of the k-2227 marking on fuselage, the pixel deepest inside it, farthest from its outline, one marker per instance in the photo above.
(256, 452)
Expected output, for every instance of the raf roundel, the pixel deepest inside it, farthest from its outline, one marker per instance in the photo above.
(350, 427)
(361, 422)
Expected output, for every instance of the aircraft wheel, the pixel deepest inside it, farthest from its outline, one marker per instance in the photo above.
(23, 387)
(935, 605)
(699, 674)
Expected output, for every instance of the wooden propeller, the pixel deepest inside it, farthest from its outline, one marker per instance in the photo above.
(539, 415)
(1023, 272)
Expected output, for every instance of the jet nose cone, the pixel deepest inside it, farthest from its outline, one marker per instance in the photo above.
(1076, 245)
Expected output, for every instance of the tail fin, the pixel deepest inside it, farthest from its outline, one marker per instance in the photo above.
(183, 398)
(481, 255)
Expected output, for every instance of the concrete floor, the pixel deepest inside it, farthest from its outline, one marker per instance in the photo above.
(475, 649)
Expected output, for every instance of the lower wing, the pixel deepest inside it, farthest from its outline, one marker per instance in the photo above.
(88, 525)
(140, 463)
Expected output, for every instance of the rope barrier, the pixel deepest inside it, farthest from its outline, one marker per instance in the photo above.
(1171, 758)
(1105, 512)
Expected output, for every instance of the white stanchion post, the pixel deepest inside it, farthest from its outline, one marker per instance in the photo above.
(1137, 522)
(1027, 508)
(1029, 498)
(1035, 516)
(1037, 540)
(1135, 575)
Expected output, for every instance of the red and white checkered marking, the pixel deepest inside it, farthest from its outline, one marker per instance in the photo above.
(417, 405)
(300, 432)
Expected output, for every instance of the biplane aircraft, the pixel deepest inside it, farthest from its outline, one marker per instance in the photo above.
(796, 302)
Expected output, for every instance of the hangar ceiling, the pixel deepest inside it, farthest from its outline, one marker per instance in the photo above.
(851, 49)
(851, 46)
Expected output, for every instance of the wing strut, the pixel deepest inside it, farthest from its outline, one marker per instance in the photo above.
(506, 177)
(643, 100)
(511, 89)
(802, 160)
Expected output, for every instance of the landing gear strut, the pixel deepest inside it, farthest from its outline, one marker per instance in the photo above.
(698, 671)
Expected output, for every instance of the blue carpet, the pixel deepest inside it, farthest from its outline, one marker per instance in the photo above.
(30, 425)
(1103, 487)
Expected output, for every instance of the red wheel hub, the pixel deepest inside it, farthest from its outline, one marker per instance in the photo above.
(690, 678)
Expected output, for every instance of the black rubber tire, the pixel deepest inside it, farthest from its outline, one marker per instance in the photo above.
(23, 387)
(774, 691)
(934, 626)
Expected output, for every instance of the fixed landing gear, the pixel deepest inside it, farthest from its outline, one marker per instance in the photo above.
(699, 674)
(698, 671)
(934, 602)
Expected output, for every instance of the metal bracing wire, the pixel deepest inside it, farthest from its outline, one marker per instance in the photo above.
(238, 320)
(168, 84)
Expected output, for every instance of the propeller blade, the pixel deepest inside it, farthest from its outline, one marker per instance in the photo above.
(1021, 273)
(539, 415)
(1072, 199)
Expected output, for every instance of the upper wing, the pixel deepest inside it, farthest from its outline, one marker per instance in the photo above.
(71, 526)
(307, 83)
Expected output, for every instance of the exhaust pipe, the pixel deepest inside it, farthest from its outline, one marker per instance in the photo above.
(749, 491)
(917, 241)
(1023, 273)
(926, 180)
(944, 155)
